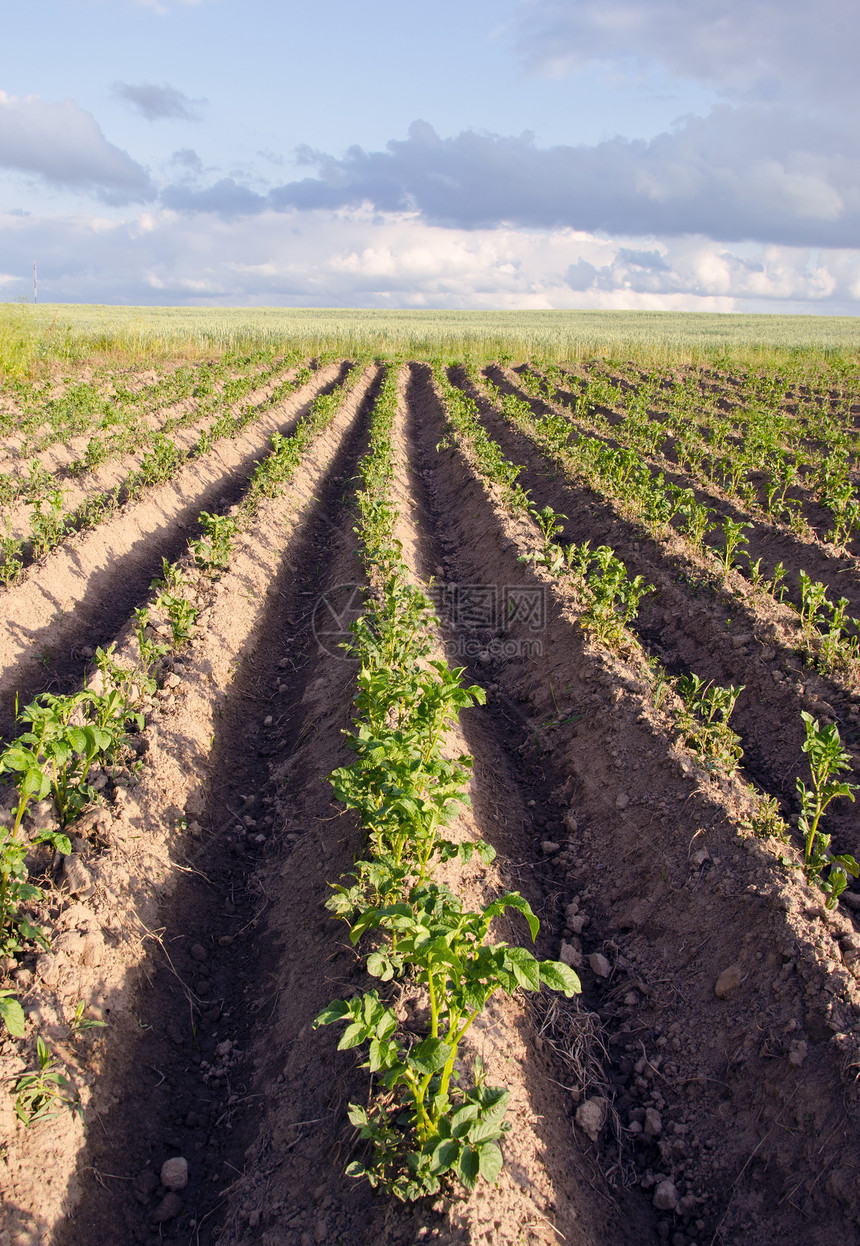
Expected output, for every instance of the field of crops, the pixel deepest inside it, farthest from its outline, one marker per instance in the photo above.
(427, 796)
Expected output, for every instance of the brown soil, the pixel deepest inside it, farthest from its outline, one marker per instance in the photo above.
(204, 944)
(672, 923)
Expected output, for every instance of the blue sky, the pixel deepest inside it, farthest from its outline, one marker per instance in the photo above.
(685, 154)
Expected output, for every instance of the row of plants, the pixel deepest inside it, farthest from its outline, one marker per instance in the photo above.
(50, 524)
(828, 637)
(115, 415)
(73, 746)
(431, 1119)
(210, 403)
(609, 600)
(51, 412)
(769, 460)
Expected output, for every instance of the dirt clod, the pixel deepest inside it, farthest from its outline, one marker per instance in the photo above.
(168, 1209)
(591, 1117)
(77, 877)
(728, 981)
(600, 966)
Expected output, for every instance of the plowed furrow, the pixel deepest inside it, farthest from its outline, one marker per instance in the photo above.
(768, 542)
(718, 637)
(181, 1080)
(80, 595)
(671, 896)
(117, 467)
(516, 807)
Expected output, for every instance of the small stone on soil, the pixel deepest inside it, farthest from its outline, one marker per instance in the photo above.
(198, 952)
(174, 1173)
(666, 1196)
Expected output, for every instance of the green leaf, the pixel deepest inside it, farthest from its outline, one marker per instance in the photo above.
(494, 1102)
(380, 966)
(469, 1167)
(35, 783)
(12, 1015)
(352, 1036)
(429, 1056)
(483, 1131)
(513, 900)
(15, 758)
(335, 1011)
(357, 1115)
(462, 1119)
(560, 977)
(490, 1162)
(444, 1155)
(525, 967)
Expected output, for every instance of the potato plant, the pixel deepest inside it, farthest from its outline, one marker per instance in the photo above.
(428, 1123)
(67, 736)
(827, 760)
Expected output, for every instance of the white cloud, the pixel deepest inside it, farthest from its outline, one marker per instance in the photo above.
(63, 144)
(357, 259)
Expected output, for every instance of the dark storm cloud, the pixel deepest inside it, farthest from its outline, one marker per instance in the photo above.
(750, 173)
(158, 103)
(63, 144)
(227, 198)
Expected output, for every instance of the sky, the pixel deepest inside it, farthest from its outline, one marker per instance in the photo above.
(699, 155)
